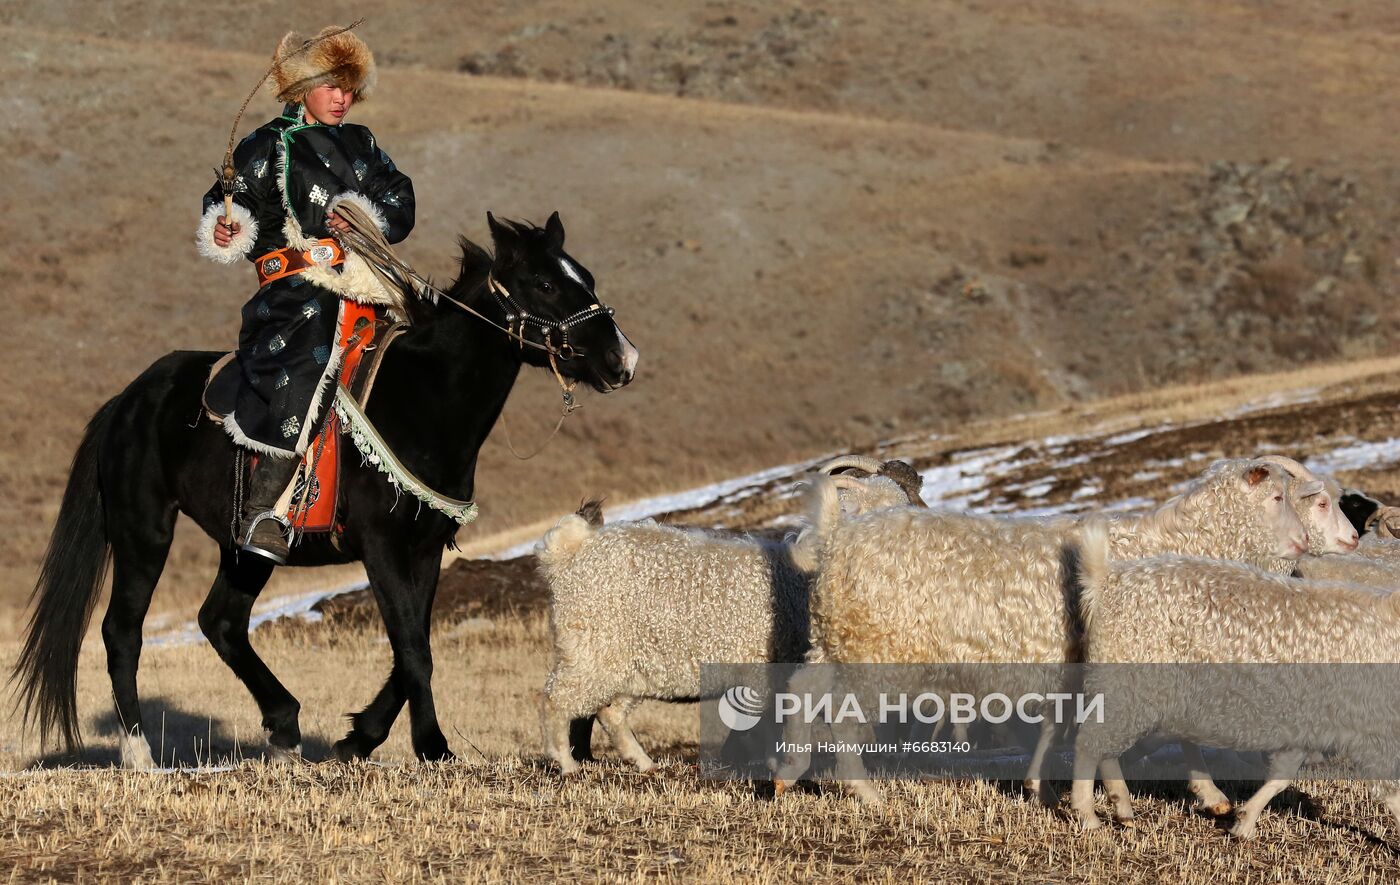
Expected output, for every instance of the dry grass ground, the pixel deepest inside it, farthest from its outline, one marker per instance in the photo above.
(499, 812)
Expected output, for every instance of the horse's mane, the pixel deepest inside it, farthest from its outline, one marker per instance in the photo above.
(472, 267)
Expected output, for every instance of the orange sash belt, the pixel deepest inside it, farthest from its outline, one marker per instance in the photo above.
(285, 262)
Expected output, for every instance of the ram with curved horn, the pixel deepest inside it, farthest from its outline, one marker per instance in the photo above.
(900, 473)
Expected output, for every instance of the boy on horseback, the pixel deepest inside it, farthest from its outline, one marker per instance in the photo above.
(292, 174)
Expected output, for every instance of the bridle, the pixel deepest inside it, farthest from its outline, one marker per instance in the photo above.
(517, 318)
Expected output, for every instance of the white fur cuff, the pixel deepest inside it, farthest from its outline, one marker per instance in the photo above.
(363, 202)
(238, 247)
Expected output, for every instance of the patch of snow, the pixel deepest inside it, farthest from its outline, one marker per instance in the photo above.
(692, 499)
(298, 605)
(1362, 456)
(956, 484)
(1065, 509)
(1129, 505)
(1274, 401)
(1040, 489)
(1088, 490)
(1144, 475)
(1135, 435)
(514, 552)
(689, 499)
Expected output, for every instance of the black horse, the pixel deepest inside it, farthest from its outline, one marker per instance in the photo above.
(148, 454)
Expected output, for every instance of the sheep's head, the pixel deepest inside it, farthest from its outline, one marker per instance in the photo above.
(1315, 499)
(900, 473)
(1266, 488)
(1239, 509)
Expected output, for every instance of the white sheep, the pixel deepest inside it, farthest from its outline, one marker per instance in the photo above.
(1315, 499)
(1171, 609)
(914, 586)
(636, 608)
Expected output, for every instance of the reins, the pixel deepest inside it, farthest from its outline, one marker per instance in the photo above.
(365, 238)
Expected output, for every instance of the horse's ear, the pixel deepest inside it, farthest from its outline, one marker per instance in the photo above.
(505, 240)
(555, 229)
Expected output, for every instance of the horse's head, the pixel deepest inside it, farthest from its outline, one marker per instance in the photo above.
(548, 299)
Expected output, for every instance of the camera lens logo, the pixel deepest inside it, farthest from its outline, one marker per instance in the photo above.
(739, 708)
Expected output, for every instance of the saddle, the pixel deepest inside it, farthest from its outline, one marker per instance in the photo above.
(364, 334)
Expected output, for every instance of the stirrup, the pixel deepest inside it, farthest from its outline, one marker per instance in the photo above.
(275, 550)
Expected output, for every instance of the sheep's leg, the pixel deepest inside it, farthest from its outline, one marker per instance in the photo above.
(1283, 767)
(1081, 796)
(850, 768)
(795, 755)
(614, 719)
(1033, 782)
(1393, 803)
(566, 698)
(1209, 799)
(1096, 749)
(555, 723)
(1117, 789)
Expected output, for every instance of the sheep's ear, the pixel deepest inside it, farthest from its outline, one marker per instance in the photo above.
(1310, 489)
(1255, 475)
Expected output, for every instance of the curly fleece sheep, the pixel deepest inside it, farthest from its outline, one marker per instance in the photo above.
(911, 586)
(1172, 609)
(636, 607)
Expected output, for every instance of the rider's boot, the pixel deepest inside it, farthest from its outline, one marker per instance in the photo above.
(261, 530)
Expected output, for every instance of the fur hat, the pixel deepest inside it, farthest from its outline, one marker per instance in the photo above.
(344, 60)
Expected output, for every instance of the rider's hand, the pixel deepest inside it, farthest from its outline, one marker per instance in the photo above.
(336, 223)
(225, 232)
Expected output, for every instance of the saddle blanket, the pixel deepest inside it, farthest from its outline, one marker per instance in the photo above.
(364, 336)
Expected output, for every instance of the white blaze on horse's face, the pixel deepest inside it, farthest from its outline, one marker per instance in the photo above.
(629, 353)
(572, 273)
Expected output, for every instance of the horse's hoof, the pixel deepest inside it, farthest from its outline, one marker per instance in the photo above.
(135, 752)
(1219, 809)
(346, 750)
(439, 755)
(779, 788)
(284, 755)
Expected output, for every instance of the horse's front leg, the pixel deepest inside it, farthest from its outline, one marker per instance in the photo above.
(404, 584)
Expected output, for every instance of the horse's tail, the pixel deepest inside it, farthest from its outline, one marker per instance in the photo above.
(70, 581)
